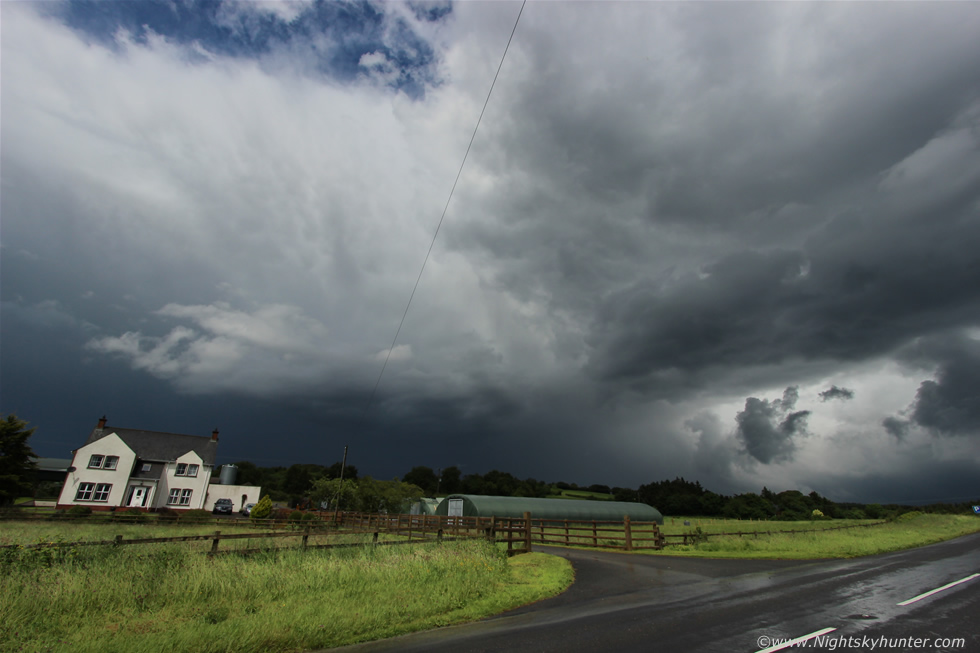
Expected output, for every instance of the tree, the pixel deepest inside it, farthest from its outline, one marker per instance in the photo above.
(329, 490)
(449, 482)
(17, 465)
(425, 478)
(262, 509)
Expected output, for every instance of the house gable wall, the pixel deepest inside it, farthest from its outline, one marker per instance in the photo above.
(172, 480)
(117, 478)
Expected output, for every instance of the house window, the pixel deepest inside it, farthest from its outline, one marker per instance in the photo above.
(101, 492)
(93, 492)
(84, 492)
(183, 469)
(98, 461)
(179, 497)
(147, 467)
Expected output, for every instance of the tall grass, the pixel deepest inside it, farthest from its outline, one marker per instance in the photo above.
(169, 598)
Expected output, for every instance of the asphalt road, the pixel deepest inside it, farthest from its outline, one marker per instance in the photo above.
(623, 602)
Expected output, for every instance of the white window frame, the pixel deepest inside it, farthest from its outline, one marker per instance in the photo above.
(84, 492)
(95, 461)
(101, 493)
(186, 469)
(179, 496)
(110, 462)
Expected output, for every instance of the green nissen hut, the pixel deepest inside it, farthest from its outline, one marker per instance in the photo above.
(474, 505)
(425, 506)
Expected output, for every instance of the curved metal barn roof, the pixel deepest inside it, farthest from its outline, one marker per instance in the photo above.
(475, 505)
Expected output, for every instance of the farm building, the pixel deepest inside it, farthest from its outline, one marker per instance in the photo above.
(424, 506)
(473, 505)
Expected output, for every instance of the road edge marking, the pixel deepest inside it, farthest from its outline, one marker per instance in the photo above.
(937, 590)
(798, 640)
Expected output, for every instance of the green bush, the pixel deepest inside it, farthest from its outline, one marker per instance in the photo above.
(908, 516)
(262, 509)
(195, 516)
(309, 516)
(79, 511)
(133, 516)
(166, 514)
(296, 515)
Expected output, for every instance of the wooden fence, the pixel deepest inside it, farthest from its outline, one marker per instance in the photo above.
(518, 533)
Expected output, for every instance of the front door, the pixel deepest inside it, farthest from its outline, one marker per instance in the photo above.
(137, 497)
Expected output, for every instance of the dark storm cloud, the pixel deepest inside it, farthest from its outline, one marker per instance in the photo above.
(833, 392)
(767, 428)
(896, 427)
(659, 216)
(950, 405)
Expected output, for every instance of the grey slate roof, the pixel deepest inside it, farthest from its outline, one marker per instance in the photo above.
(154, 445)
(53, 464)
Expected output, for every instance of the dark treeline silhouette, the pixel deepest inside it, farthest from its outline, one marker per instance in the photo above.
(677, 497)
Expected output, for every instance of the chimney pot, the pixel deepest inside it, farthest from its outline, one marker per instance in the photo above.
(102, 421)
(214, 435)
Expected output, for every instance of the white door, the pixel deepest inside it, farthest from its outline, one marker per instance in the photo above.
(455, 507)
(137, 497)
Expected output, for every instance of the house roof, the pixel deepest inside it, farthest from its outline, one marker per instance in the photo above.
(155, 445)
(53, 464)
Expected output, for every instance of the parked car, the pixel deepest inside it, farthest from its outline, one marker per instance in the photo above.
(223, 507)
(247, 509)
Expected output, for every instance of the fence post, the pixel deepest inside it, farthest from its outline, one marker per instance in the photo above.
(374, 540)
(566, 531)
(118, 540)
(492, 528)
(439, 535)
(627, 532)
(306, 536)
(214, 543)
(595, 535)
(527, 532)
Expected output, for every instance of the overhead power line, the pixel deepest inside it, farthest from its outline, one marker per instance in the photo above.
(446, 208)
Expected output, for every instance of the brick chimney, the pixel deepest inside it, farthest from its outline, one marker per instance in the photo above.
(214, 435)
(101, 423)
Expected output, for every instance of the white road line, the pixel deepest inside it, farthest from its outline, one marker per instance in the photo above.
(798, 640)
(938, 589)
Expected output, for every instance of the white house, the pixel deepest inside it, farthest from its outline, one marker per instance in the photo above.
(130, 468)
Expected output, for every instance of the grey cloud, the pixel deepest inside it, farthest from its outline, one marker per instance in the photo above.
(950, 405)
(767, 428)
(896, 427)
(833, 392)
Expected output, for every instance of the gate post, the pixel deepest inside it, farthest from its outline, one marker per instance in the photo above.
(627, 533)
(527, 532)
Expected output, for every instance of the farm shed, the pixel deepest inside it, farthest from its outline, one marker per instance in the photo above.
(473, 505)
(424, 506)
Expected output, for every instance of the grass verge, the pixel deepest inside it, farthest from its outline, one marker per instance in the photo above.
(903, 533)
(168, 597)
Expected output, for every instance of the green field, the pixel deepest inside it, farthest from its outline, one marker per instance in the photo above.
(909, 531)
(171, 597)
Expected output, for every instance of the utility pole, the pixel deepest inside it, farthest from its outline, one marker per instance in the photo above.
(340, 487)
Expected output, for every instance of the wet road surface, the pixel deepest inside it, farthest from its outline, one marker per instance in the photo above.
(622, 602)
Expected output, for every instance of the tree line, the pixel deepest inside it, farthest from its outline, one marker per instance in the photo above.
(315, 483)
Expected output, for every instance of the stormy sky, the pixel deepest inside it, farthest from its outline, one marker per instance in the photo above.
(733, 242)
